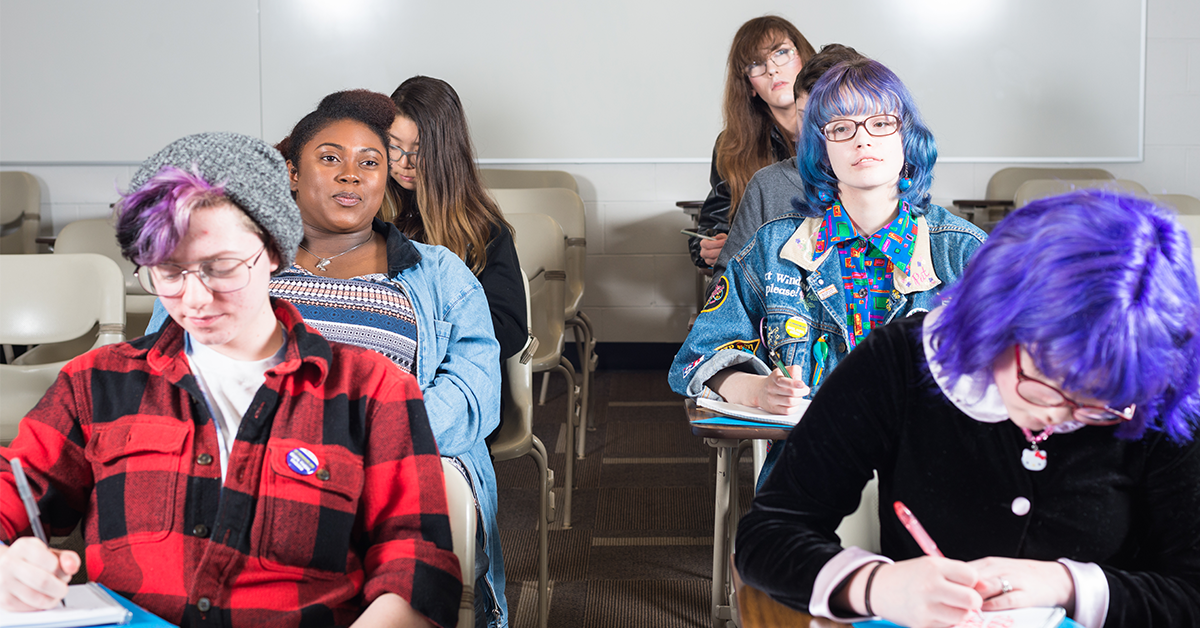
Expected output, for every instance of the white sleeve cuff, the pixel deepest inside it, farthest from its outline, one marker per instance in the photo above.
(840, 567)
(1091, 592)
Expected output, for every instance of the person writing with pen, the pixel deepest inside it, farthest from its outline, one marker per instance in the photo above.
(1040, 425)
(234, 468)
(864, 247)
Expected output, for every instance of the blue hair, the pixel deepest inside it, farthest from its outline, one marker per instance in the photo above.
(861, 87)
(1101, 290)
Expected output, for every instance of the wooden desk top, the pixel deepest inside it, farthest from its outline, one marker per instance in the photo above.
(739, 432)
(757, 610)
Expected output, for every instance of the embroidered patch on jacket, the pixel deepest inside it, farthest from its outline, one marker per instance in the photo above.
(749, 346)
(717, 297)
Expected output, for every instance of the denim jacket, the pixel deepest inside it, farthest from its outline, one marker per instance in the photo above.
(459, 373)
(799, 300)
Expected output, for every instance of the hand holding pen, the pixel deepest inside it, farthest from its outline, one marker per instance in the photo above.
(32, 575)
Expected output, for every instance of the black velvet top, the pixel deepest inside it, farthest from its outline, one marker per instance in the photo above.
(501, 281)
(1132, 507)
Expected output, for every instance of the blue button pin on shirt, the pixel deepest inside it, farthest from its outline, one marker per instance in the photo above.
(302, 461)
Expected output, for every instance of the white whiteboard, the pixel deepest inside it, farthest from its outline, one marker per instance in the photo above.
(548, 80)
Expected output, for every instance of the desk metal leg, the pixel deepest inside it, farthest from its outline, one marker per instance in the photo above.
(759, 454)
(726, 498)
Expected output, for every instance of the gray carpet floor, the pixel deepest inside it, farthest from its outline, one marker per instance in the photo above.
(639, 552)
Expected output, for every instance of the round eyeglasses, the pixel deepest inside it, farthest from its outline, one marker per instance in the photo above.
(844, 129)
(218, 275)
(1040, 393)
(779, 58)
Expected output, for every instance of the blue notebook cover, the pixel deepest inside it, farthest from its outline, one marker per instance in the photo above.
(141, 616)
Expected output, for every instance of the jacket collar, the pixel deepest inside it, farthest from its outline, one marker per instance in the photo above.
(401, 253)
(800, 249)
(304, 346)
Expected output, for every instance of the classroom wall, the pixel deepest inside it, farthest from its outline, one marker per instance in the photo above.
(641, 285)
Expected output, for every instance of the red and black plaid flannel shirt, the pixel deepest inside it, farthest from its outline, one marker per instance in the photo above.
(124, 440)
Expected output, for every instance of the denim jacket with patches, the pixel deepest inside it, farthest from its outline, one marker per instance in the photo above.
(778, 279)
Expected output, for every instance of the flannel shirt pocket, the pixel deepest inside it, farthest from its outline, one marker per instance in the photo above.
(308, 519)
(136, 464)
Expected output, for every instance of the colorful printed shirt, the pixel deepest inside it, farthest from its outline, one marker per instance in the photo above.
(867, 264)
(334, 492)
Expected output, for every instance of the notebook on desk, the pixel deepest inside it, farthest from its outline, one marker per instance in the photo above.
(747, 415)
(1036, 617)
(88, 604)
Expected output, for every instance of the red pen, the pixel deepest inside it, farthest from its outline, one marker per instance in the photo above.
(918, 533)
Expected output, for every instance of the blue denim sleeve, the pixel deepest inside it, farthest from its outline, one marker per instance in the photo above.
(725, 333)
(158, 318)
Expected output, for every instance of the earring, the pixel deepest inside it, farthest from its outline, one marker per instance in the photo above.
(905, 182)
(825, 196)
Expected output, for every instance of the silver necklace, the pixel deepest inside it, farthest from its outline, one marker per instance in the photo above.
(323, 262)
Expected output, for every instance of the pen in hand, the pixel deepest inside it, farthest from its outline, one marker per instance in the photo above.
(922, 537)
(696, 235)
(31, 509)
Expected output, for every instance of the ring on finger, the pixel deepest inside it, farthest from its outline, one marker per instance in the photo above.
(1005, 586)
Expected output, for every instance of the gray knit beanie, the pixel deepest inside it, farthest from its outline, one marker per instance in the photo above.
(253, 174)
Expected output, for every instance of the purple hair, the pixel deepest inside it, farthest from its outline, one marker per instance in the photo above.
(862, 87)
(1100, 289)
(152, 220)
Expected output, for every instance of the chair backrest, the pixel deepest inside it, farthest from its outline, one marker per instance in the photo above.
(566, 208)
(1035, 189)
(539, 249)
(499, 178)
(1003, 185)
(52, 299)
(1181, 203)
(462, 532)
(516, 428)
(20, 211)
(97, 235)
(861, 528)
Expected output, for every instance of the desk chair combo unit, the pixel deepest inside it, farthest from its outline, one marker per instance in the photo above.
(52, 299)
(516, 439)
(543, 261)
(1002, 189)
(461, 504)
(20, 212)
(98, 235)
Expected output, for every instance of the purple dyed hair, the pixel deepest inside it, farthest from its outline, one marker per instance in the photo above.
(1101, 290)
(862, 87)
(152, 220)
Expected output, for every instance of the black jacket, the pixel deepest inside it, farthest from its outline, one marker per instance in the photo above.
(714, 215)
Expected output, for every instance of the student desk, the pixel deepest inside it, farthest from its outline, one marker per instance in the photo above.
(756, 609)
(725, 439)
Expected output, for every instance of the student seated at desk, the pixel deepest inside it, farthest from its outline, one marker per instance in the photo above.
(760, 121)
(776, 189)
(864, 248)
(234, 468)
(1040, 425)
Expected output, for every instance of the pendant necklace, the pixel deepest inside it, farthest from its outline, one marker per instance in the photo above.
(1033, 458)
(323, 262)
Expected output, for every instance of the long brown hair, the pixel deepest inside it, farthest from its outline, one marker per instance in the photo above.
(450, 206)
(744, 146)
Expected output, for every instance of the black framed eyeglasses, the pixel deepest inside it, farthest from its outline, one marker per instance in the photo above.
(779, 58)
(1040, 393)
(844, 129)
(218, 275)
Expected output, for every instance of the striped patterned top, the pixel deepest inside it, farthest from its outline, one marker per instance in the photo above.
(369, 311)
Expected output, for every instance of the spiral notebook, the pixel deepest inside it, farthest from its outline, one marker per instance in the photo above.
(748, 413)
(1035, 617)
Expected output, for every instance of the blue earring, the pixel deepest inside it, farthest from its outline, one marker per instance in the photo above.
(905, 181)
(825, 197)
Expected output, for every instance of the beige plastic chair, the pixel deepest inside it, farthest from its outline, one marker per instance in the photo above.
(461, 503)
(1041, 188)
(539, 250)
(516, 439)
(499, 178)
(52, 299)
(1003, 185)
(565, 207)
(861, 527)
(97, 235)
(20, 212)
(1182, 203)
